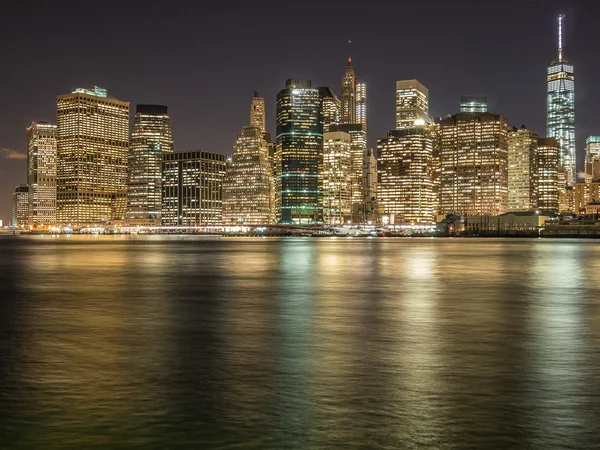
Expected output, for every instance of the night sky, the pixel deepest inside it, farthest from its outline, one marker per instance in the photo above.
(204, 60)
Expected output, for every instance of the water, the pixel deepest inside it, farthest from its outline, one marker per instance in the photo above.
(188, 342)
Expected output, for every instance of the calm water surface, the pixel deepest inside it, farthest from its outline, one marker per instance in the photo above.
(190, 342)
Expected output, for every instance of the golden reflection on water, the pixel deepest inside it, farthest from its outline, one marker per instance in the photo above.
(302, 343)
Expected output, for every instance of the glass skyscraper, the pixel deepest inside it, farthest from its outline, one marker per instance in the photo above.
(299, 153)
(561, 108)
(150, 139)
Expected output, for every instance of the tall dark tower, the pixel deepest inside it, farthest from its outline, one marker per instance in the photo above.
(349, 94)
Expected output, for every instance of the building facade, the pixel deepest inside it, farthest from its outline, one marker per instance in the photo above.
(299, 153)
(20, 206)
(412, 103)
(361, 103)
(349, 82)
(331, 108)
(337, 170)
(248, 182)
(151, 138)
(92, 143)
(547, 183)
(41, 174)
(522, 171)
(473, 161)
(405, 182)
(192, 188)
(584, 194)
(257, 113)
(560, 124)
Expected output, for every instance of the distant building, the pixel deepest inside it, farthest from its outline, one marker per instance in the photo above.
(361, 103)
(337, 170)
(560, 84)
(20, 206)
(299, 153)
(547, 174)
(41, 174)
(368, 210)
(584, 194)
(473, 161)
(92, 145)
(349, 82)
(405, 183)
(412, 103)
(522, 170)
(192, 188)
(592, 158)
(473, 104)
(151, 138)
(510, 223)
(257, 113)
(331, 108)
(248, 182)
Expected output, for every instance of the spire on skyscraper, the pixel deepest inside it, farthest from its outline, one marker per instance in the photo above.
(560, 49)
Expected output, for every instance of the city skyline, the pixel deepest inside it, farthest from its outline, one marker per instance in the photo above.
(521, 99)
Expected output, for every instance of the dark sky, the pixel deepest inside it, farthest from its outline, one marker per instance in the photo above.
(204, 60)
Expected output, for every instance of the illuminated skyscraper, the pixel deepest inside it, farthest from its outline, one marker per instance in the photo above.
(331, 108)
(522, 170)
(299, 153)
(473, 103)
(405, 183)
(349, 94)
(358, 150)
(473, 160)
(192, 187)
(547, 184)
(257, 113)
(592, 158)
(361, 103)
(337, 167)
(150, 139)
(20, 206)
(561, 108)
(248, 181)
(92, 141)
(41, 173)
(412, 103)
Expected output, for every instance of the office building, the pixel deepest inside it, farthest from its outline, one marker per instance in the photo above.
(151, 138)
(41, 174)
(405, 188)
(367, 212)
(248, 182)
(257, 113)
(560, 83)
(547, 180)
(361, 103)
(522, 171)
(299, 153)
(192, 187)
(349, 82)
(592, 158)
(473, 104)
(337, 167)
(358, 150)
(584, 194)
(473, 161)
(20, 206)
(331, 108)
(412, 103)
(92, 143)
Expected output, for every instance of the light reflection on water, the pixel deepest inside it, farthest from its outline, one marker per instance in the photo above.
(188, 342)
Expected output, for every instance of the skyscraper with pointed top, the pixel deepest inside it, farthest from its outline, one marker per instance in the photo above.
(349, 94)
(561, 107)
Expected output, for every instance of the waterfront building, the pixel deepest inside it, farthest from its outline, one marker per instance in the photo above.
(592, 158)
(257, 113)
(522, 172)
(337, 170)
(473, 161)
(192, 187)
(151, 138)
(41, 174)
(405, 188)
(331, 108)
(20, 206)
(565, 192)
(584, 194)
(412, 103)
(299, 153)
(560, 83)
(349, 82)
(367, 211)
(248, 182)
(547, 183)
(92, 143)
